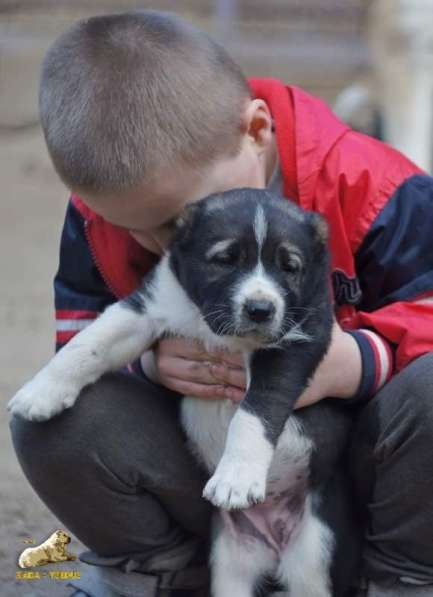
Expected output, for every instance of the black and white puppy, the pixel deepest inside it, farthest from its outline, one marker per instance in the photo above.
(247, 271)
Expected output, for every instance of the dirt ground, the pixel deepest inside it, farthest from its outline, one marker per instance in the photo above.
(31, 214)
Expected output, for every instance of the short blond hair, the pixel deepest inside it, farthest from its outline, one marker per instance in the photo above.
(122, 95)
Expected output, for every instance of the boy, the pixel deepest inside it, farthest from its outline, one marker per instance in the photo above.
(142, 114)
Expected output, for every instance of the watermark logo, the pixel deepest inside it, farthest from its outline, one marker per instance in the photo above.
(50, 551)
(52, 574)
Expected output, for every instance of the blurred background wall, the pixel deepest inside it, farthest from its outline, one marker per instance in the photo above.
(382, 47)
(400, 38)
(317, 44)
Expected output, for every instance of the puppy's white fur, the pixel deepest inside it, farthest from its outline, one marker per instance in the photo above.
(260, 227)
(241, 473)
(258, 285)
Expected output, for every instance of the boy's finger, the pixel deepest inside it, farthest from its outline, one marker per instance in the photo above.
(184, 348)
(185, 370)
(308, 397)
(229, 376)
(235, 359)
(232, 393)
(195, 390)
(187, 348)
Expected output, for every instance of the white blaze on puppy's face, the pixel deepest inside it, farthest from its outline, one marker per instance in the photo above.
(260, 228)
(259, 286)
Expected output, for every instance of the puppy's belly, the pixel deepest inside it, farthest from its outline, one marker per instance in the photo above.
(275, 521)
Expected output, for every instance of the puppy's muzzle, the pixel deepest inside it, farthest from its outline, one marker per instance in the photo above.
(258, 317)
(259, 310)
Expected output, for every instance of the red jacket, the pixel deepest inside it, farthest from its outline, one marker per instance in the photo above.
(375, 200)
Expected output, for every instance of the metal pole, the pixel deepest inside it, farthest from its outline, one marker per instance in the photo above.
(225, 18)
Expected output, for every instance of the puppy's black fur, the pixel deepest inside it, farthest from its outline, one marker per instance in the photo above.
(294, 255)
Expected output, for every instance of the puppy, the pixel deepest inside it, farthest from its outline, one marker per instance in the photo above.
(51, 550)
(246, 271)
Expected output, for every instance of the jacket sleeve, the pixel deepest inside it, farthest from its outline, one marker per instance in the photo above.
(394, 264)
(80, 293)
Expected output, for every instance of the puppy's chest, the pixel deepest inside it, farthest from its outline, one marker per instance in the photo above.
(206, 424)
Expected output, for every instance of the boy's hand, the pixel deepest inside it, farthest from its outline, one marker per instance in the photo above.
(184, 366)
(339, 373)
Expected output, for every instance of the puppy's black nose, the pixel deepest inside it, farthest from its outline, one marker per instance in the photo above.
(259, 310)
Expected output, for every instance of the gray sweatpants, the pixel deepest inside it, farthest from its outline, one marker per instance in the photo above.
(116, 471)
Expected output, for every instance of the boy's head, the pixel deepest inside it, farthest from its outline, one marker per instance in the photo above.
(143, 105)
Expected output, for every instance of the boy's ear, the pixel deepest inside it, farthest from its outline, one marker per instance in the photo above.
(256, 122)
(320, 228)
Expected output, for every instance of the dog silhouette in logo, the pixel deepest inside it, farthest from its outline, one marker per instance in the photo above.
(51, 550)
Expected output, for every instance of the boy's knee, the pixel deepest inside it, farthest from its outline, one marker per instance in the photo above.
(419, 375)
(412, 396)
(120, 425)
(401, 412)
(67, 440)
(402, 408)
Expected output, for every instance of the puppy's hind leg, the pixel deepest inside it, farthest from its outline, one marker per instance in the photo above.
(306, 561)
(237, 566)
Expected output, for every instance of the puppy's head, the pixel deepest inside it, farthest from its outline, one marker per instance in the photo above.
(253, 262)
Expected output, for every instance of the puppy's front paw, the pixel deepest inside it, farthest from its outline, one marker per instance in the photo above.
(235, 486)
(42, 398)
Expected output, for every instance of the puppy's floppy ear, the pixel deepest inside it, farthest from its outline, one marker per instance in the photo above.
(185, 218)
(320, 228)
(184, 225)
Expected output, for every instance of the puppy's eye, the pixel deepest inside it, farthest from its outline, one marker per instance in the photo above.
(228, 257)
(289, 262)
(225, 252)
